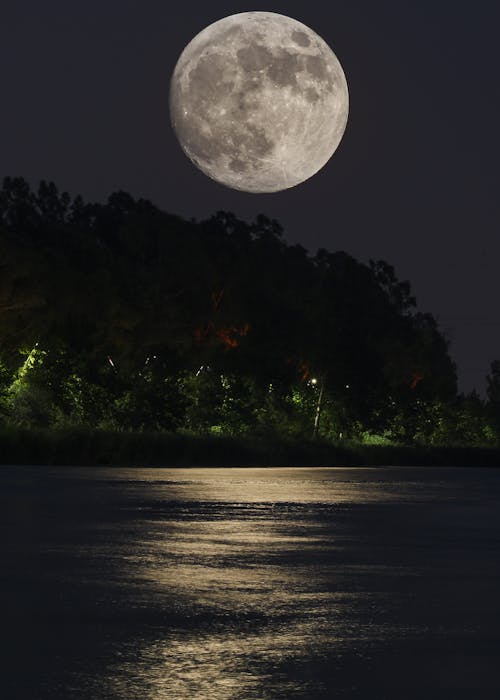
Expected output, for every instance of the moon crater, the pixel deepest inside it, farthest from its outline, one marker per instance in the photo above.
(258, 101)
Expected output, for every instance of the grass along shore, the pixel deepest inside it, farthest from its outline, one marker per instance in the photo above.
(82, 446)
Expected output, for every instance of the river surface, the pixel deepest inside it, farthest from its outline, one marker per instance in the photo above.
(249, 584)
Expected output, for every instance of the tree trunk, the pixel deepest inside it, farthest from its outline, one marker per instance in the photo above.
(319, 406)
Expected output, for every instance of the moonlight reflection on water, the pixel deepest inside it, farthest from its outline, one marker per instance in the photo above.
(251, 584)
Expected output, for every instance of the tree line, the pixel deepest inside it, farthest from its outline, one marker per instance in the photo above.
(124, 317)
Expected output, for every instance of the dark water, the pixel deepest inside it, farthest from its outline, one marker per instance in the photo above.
(250, 584)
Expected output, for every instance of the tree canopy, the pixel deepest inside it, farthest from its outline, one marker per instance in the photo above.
(121, 315)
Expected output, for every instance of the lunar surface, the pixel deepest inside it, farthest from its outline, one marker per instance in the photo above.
(259, 102)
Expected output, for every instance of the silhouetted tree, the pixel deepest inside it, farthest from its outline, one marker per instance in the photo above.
(121, 315)
(493, 395)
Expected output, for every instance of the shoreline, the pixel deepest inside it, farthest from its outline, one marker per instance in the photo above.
(82, 447)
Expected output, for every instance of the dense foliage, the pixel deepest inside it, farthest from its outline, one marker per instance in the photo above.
(123, 317)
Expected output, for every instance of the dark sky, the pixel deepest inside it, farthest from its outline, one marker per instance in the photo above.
(415, 180)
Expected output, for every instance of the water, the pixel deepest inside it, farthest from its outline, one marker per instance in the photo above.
(249, 584)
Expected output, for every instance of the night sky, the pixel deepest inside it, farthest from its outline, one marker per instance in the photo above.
(414, 182)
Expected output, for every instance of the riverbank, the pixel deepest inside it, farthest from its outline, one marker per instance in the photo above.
(80, 447)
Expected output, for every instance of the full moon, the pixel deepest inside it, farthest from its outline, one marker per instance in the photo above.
(259, 102)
